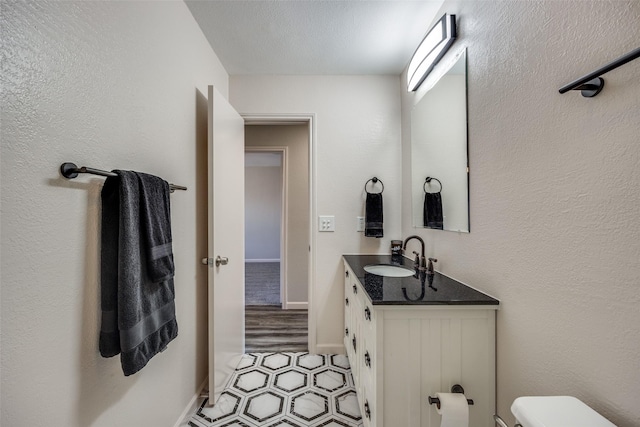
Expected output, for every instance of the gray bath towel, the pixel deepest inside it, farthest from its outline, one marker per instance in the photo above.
(138, 311)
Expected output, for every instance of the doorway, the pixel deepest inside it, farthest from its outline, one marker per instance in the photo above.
(277, 236)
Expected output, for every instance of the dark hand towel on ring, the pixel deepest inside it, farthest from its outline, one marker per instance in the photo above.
(373, 215)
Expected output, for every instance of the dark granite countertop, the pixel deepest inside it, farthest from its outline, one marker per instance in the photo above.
(410, 290)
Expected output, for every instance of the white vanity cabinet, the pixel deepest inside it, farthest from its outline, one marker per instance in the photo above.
(400, 354)
(359, 341)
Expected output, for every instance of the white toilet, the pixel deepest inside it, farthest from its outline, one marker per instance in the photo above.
(556, 411)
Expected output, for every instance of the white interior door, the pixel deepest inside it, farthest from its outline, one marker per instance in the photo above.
(226, 241)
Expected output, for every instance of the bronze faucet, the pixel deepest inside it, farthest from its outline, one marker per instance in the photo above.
(420, 262)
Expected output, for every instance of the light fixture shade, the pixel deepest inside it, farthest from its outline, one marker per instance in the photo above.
(431, 49)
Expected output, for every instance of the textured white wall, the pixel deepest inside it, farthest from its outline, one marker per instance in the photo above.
(296, 139)
(554, 198)
(357, 137)
(108, 85)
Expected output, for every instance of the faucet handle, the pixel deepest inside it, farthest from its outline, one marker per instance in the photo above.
(430, 268)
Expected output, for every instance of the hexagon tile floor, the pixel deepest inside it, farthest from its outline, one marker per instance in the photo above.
(285, 390)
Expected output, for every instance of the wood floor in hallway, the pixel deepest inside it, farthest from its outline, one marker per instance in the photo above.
(268, 328)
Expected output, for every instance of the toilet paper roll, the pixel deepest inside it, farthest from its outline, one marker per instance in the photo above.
(454, 410)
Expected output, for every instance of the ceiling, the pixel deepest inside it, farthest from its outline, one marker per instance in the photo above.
(331, 37)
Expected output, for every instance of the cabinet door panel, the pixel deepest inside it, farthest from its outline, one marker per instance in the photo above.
(368, 404)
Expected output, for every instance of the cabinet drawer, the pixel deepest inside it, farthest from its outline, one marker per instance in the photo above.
(347, 317)
(354, 345)
(368, 324)
(348, 277)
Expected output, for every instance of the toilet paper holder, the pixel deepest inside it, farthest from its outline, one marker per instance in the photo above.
(457, 388)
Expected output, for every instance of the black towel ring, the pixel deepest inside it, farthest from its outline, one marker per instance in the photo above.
(428, 181)
(374, 180)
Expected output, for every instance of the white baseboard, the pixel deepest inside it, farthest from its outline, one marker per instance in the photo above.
(191, 406)
(296, 306)
(262, 260)
(330, 349)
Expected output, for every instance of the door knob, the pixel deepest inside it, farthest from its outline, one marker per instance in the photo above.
(221, 261)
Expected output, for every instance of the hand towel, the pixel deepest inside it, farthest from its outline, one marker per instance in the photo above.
(432, 210)
(373, 215)
(155, 217)
(137, 290)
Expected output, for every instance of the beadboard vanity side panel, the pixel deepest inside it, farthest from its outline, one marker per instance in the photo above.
(429, 351)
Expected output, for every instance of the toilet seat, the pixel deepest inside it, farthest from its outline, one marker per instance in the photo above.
(556, 411)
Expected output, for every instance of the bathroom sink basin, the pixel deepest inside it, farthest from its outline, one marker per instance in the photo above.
(389, 270)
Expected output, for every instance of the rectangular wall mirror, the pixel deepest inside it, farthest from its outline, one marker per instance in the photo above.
(439, 157)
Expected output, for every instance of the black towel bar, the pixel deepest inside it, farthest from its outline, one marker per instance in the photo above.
(591, 84)
(71, 170)
(375, 180)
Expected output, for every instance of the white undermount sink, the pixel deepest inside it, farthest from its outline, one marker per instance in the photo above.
(389, 270)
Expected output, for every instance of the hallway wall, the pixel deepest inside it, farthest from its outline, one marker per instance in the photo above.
(263, 212)
(296, 139)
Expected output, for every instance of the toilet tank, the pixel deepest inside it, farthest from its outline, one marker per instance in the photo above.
(556, 411)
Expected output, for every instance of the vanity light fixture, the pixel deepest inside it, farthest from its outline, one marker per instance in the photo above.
(431, 50)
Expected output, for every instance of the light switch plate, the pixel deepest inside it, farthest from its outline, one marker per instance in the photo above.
(359, 223)
(326, 223)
